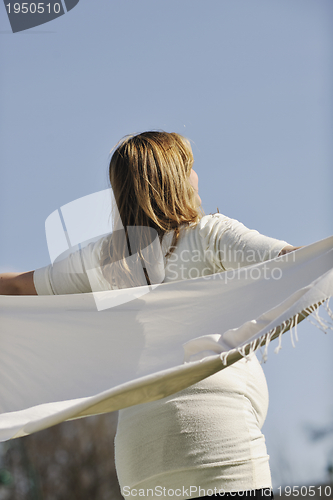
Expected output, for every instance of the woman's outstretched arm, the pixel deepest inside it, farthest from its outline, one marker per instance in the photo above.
(288, 249)
(23, 283)
(17, 284)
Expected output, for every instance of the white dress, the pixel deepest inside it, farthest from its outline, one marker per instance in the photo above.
(207, 436)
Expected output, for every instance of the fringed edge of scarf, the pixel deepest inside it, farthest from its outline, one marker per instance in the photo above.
(310, 313)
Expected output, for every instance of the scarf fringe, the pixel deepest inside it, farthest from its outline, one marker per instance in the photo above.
(312, 315)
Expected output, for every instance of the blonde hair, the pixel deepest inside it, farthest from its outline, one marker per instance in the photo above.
(149, 175)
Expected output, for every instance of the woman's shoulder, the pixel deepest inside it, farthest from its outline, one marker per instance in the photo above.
(205, 233)
(213, 219)
(209, 225)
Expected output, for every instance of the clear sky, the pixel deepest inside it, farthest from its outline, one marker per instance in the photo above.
(249, 82)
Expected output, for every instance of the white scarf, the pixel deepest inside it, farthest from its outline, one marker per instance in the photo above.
(61, 359)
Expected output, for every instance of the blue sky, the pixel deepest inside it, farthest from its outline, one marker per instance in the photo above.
(249, 82)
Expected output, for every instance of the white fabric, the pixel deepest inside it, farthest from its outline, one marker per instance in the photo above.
(60, 358)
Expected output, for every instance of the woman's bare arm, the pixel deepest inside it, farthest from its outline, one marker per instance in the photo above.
(288, 249)
(17, 284)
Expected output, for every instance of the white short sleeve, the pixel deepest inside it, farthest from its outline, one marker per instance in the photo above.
(69, 275)
(230, 244)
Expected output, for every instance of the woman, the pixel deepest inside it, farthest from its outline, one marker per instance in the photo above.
(206, 439)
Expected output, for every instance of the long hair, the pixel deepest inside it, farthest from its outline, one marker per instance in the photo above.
(149, 175)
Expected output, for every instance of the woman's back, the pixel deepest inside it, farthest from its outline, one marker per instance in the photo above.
(207, 436)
